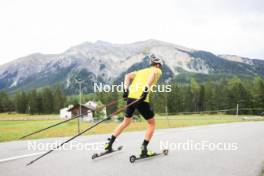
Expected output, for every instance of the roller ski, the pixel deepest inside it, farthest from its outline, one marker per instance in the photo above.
(147, 154)
(108, 150)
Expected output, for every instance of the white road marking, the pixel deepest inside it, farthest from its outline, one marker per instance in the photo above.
(20, 156)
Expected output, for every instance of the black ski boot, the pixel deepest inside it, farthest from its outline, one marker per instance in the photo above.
(108, 146)
(145, 152)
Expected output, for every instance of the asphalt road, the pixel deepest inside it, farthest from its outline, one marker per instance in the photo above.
(240, 152)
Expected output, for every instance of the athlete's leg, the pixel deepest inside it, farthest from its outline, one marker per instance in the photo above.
(148, 136)
(147, 112)
(127, 119)
(150, 129)
(118, 130)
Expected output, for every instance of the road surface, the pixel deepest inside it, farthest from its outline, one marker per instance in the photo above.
(243, 154)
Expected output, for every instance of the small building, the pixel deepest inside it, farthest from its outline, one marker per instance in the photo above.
(77, 109)
(87, 111)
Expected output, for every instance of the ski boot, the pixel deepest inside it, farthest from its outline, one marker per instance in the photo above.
(108, 146)
(108, 150)
(146, 153)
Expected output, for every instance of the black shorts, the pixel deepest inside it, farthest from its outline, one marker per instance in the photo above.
(143, 108)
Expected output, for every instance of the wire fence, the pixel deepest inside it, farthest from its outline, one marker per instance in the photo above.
(231, 111)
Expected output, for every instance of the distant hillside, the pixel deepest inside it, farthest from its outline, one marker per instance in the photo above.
(107, 63)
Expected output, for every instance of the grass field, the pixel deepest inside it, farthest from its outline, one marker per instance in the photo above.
(13, 129)
(14, 116)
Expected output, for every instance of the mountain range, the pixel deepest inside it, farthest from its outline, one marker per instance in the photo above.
(107, 63)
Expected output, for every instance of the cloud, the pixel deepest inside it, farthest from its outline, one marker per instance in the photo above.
(240, 6)
(220, 26)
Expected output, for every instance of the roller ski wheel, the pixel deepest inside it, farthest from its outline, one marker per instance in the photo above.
(94, 156)
(132, 159)
(165, 152)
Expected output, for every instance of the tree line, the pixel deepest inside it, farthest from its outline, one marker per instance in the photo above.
(45, 101)
(199, 97)
(224, 95)
(192, 97)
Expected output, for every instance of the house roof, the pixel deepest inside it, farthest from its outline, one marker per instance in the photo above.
(89, 105)
(77, 106)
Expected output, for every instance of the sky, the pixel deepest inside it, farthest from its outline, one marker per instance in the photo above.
(52, 26)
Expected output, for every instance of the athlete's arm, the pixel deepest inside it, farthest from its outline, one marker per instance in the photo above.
(128, 78)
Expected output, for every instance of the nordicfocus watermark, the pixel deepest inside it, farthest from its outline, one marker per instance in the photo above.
(204, 145)
(100, 87)
(45, 146)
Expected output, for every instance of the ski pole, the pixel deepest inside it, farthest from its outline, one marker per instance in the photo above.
(38, 131)
(105, 119)
(97, 109)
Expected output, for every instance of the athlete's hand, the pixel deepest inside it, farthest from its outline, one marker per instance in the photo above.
(144, 94)
(125, 94)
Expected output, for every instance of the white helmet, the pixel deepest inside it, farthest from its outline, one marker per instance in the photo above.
(156, 60)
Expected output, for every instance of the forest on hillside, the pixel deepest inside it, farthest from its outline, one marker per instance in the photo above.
(192, 98)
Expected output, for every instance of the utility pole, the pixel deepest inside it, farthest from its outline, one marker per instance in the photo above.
(166, 104)
(237, 109)
(80, 102)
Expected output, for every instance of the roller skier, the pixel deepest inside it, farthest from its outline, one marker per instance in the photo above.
(137, 86)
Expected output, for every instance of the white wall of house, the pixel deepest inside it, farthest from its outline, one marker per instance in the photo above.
(65, 114)
(88, 117)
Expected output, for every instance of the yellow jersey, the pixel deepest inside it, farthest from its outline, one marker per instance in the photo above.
(140, 81)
